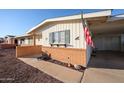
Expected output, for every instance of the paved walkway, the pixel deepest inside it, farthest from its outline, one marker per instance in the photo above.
(61, 73)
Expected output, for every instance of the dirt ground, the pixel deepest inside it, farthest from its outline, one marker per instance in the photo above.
(12, 70)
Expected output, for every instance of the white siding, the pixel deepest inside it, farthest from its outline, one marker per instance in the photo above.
(75, 28)
(38, 39)
(38, 42)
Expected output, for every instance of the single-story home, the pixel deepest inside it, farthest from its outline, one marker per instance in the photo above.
(63, 37)
(9, 39)
(1, 40)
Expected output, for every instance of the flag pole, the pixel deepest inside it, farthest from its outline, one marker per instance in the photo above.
(82, 21)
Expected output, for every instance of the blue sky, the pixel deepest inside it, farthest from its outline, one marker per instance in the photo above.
(18, 22)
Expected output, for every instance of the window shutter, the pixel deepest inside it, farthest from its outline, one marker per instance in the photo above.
(59, 37)
(50, 38)
(67, 37)
(53, 40)
(62, 37)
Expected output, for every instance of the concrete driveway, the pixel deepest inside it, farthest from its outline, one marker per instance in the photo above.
(106, 67)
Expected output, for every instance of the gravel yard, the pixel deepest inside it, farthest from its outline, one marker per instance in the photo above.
(16, 71)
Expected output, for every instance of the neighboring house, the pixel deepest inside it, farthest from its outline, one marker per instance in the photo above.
(1, 40)
(63, 37)
(9, 39)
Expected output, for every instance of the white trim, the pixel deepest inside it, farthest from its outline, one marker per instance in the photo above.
(88, 15)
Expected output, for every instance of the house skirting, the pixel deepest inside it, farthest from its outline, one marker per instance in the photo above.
(22, 51)
(67, 55)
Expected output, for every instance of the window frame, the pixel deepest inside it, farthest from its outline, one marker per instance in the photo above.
(52, 42)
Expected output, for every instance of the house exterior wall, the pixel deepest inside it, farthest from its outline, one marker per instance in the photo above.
(75, 51)
(67, 55)
(39, 39)
(10, 40)
(76, 30)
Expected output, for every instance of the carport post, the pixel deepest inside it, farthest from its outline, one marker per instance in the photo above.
(34, 41)
(122, 42)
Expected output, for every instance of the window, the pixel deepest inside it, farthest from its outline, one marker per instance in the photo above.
(60, 37)
(51, 38)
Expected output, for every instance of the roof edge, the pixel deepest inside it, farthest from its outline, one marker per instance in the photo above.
(72, 17)
(117, 17)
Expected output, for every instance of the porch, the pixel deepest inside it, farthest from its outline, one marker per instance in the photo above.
(28, 40)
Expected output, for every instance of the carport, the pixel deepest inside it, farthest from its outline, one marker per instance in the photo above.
(108, 64)
(108, 33)
(108, 37)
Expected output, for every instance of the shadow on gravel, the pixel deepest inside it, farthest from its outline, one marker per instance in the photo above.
(13, 70)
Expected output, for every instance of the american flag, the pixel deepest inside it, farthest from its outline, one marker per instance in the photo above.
(87, 33)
